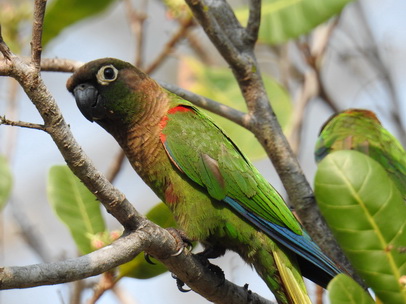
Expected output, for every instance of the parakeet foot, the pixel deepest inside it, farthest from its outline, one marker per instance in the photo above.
(249, 293)
(182, 240)
(180, 284)
(212, 253)
(208, 253)
(148, 259)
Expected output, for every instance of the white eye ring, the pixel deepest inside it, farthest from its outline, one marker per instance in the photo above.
(106, 74)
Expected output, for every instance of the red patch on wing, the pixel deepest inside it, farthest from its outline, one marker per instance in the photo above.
(180, 109)
(164, 120)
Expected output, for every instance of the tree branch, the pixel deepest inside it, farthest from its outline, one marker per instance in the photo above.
(22, 124)
(180, 34)
(234, 115)
(36, 45)
(150, 237)
(4, 49)
(223, 29)
(254, 21)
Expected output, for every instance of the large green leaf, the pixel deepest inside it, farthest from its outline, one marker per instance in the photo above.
(344, 290)
(5, 181)
(62, 13)
(139, 268)
(366, 213)
(219, 84)
(75, 205)
(282, 20)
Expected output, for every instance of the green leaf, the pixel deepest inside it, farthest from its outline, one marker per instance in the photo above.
(75, 205)
(139, 268)
(62, 13)
(219, 84)
(366, 213)
(282, 20)
(344, 290)
(6, 181)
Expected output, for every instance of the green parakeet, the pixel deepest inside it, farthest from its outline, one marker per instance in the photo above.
(360, 130)
(216, 195)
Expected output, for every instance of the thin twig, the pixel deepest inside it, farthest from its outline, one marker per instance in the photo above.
(201, 51)
(313, 84)
(319, 294)
(22, 124)
(122, 296)
(314, 56)
(307, 92)
(136, 20)
(60, 65)
(115, 166)
(12, 110)
(76, 294)
(105, 283)
(36, 44)
(180, 34)
(254, 21)
(30, 235)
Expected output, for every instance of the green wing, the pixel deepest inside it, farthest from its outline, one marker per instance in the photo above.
(207, 156)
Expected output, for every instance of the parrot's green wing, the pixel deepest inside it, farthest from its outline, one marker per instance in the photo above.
(202, 151)
(207, 156)
(360, 130)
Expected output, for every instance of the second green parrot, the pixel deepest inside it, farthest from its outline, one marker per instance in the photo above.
(360, 130)
(216, 195)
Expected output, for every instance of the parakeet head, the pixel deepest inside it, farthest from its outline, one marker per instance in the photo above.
(110, 90)
(351, 114)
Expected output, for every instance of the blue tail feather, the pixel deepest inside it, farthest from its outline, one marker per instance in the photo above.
(302, 245)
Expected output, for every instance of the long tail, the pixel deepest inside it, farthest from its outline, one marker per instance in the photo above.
(281, 273)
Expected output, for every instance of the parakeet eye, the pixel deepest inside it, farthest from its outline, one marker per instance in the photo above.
(106, 74)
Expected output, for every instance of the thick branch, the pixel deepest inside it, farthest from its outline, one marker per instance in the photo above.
(150, 237)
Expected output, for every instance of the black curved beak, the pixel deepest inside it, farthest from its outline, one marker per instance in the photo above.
(87, 98)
